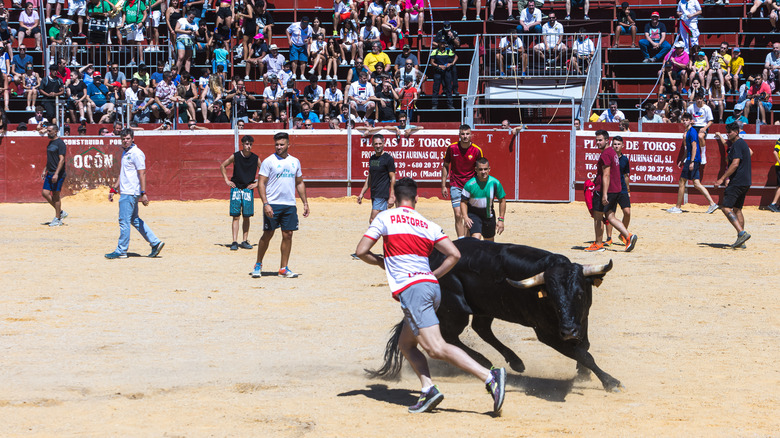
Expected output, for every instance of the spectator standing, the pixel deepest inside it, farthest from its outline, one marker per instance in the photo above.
(689, 11)
(51, 87)
(246, 165)
(654, 45)
(739, 179)
(381, 178)
(459, 165)
(626, 24)
(55, 174)
(131, 187)
(136, 12)
(442, 61)
(584, 4)
(605, 195)
(612, 114)
(530, 19)
(761, 95)
(186, 29)
(280, 177)
(691, 166)
(299, 35)
(29, 26)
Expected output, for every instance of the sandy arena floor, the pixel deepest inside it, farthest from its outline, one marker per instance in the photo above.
(190, 345)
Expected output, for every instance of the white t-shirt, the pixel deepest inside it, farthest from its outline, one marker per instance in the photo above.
(269, 94)
(281, 173)
(503, 45)
(607, 116)
(701, 116)
(583, 48)
(3, 65)
(363, 92)
(773, 62)
(298, 35)
(316, 47)
(409, 239)
(185, 24)
(367, 33)
(527, 18)
(553, 31)
(131, 96)
(689, 7)
(340, 7)
(375, 8)
(336, 96)
(274, 64)
(33, 122)
(133, 160)
(348, 37)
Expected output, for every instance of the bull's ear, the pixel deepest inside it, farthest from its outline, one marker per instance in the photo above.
(597, 281)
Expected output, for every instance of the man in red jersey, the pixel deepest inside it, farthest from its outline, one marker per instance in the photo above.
(408, 240)
(458, 164)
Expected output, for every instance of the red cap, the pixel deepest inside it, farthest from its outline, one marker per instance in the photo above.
(116, 84)
(655, 14)
(96, 74)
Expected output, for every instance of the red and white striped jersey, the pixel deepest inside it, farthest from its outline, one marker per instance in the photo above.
(408, 240)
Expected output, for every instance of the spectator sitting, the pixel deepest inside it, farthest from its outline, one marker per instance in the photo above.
(624, 126)
(584, 4)
(377, 77)
(661, 106)
(772, 9)
(679, 63)
(274, 61)
(695, 88)
(333, 99)
(386, 99)
(376, 55)
(286, 75)
(297, 123)
(157, 76)
(29, 26)
(612, 114)
(391, 28)
(6, 33)
(655, 40)
(500, 4)
(510, 48)
(313, 95)
(553, 44)
(699, 65)
(272, 96)
(772, 66)
(317, 54)
(408, 98)
(409, 74)
(716, 99)
(582, 51)
(333, 123)
(406, 54)
(737, 64)
(264, 19)
(446, 35)
(759, 95)
(349, 42)
(347, 116)
(359, 96)
(163, 97)
(375, 11)
(530, 19)
(98, 94)
(217, 114)
(737, 116)
(19, 64)
(307, 114)
(415, 13)
(38, 118)
(332, 59)
(626, 24)
(142, 75)
(31, 81)
(342, 11)
(5, 73)
(720, 66)
(355, 71)
(464, 4)
(255, 56)
(650, 116)
(115, 75)
(292, 97)
(367, 37)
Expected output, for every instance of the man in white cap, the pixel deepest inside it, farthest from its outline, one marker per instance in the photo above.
(274, 61)
(678, 58)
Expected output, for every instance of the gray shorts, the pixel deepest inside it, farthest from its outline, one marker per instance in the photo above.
(455, 194)
(419, 303)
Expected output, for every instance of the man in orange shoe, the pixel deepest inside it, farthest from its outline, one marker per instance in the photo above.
(606, 192)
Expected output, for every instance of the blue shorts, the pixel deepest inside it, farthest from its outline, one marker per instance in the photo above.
(691, 175)
(419, 303)
(455, 194)
(242, 201)
(285, 216)
(626, 29)
(48, 185)
(298, 53)
(767, 106)
(379, 204)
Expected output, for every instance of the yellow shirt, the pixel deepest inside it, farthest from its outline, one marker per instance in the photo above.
(370, 60)
(777, 149)
(725, 63)
(736, 63)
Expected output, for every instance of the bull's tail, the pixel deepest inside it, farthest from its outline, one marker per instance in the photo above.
(391, 368)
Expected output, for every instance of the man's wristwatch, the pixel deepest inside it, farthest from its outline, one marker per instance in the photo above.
(143, 192)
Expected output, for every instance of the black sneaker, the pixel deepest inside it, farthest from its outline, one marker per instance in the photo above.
(246, 245)
(770, 207)
(428, 401)
(156, 249)
(496, 388)
(234, 246)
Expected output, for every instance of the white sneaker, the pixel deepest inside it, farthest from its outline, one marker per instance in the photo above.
(328, 78)
(241, 64)
(27, 109)
(674, 210)
(311, 72)
(351, 62)
(131, 64)
(55, 222)
(343, 62)
(75, 63)
(63, 214)
(712, 208)
(246, 78)
(464, 18)
(149, 49)
(48, 21)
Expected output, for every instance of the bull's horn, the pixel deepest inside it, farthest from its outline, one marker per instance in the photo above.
(590, 270)
(536, 280)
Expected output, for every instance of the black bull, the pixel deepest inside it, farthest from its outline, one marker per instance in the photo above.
(518, 284)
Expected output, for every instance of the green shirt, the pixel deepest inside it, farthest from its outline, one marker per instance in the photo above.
(54, 33)
(480, 195)
(135, 14)
(103, 7)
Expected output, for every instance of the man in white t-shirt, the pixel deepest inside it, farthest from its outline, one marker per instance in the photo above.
(408, 240)
(553, 49)
(612, 114)
(272, 96)
(530, 19)
(280, 177)
(582, 51)
(360, 94)
(299, 37)
(689, 11)
(131, 187)
(702, 120)
(510, 48)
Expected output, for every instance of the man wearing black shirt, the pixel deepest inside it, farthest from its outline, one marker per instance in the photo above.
(386, 99)
(55, 174)
(239, 97)
(246, 165)
(739, 179)
(381, 178)
(443, 61)
(51, 87)
(217, 115)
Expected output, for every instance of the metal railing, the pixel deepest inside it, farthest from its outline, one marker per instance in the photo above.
(545, 55)
(128, 56)
(467, 109)
(592, 85)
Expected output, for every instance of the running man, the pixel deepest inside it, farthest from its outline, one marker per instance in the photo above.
(739, 180)
(381, 178)
(242, 185)
(605, 195)
(280, 178)
(131, 187)
(624, 198)
(408, 240)
(476, 204)
(690, 167)
(55, 174)
(462, 157)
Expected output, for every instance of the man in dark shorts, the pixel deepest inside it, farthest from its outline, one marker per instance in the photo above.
(408, 239)
(242, 185)
(55, 174)
(606, 193)
(476, 203)
(624, 197)
(280, 177)
(739, 180)
(381, 178)
(690, 166)
(459, 161)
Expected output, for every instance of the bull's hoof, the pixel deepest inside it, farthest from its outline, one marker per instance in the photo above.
(613, 385)
(517, 365)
